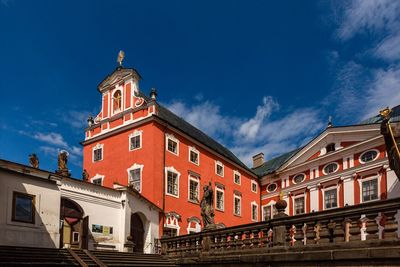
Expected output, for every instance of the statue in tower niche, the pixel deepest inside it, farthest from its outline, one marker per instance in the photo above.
(207, 208)
(62, 163)
(33, 160)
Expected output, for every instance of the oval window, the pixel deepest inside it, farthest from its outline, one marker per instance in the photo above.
(330, 168)
(272, 187)
(299, 178)
(369, 155)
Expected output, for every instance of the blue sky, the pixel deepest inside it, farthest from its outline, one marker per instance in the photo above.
(258, 76)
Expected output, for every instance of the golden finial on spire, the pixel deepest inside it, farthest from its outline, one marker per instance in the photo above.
(121, 56)
(385, 113)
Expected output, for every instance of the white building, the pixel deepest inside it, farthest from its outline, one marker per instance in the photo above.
(43, 209)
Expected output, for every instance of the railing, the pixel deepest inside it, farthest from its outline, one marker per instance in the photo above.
(347, 225)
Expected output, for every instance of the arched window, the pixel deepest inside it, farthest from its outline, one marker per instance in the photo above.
(330, 147)
(117, 101)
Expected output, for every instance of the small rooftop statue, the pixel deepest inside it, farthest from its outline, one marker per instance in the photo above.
(121, 56)
(85, 175)
(207, 208)
(33, 160)
(62, 163)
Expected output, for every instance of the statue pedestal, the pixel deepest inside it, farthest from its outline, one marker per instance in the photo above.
(209, 227)
(63, 173)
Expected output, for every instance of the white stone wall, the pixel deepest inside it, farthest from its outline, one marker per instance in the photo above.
(45, 231)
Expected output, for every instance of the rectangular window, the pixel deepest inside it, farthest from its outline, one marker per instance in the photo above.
(170, 232)
(267, 215)
(254, 212)
(236, 177)
(172, 183)
(299, 205)
(172, 146)
(193, 189)
(237, 205)
(219, 168)
(254, 186)
(219, 199)
(97, 154)
(23, 208)
(98, 181)
(194, 156)
(331, 198)
(135, 142)
(370, 190)
(135, 177)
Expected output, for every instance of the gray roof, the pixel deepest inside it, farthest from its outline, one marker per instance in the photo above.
(179, 123)
(272, 165)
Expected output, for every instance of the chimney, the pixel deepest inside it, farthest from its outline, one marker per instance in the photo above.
(258, 160)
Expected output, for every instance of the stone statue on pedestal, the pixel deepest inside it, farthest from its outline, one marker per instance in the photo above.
(62, 163)
(207, 208)
(85, 175)
(34, 160)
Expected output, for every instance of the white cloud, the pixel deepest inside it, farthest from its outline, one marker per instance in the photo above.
(367, 16)
(76, 118)
(260, 133)
(250, 129)
(51, 138)
(362, 89)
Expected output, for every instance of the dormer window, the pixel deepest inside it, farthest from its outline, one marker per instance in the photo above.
(330, 147)
(117, 101)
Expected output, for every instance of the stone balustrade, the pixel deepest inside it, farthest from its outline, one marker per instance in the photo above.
(360, 224)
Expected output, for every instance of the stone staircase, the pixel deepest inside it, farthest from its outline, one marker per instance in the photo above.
(20, 256)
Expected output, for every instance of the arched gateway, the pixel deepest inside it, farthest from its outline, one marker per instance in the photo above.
(137, 232)
(74, 229)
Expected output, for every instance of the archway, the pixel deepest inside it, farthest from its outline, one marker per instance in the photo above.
(137, 232)
(74, 231)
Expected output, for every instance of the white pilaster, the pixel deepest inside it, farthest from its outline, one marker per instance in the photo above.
(314, 198)
(348, 190)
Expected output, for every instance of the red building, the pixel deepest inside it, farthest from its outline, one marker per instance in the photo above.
(136, 141)
(342, 166)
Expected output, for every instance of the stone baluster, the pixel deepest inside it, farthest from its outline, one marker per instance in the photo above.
(238, 239)
(215, 241)
(355, 228)
(231, 242)
(338, 230)
(264, 237)
(198, 243)
(390, 225)
(310, 233)
(247, 239)
(256, 241)
(372, 226)
(223, 242)
(324, 233)
(299, 235)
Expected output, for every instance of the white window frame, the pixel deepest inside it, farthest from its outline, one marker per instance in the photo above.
(135, 167)
(337, 168)
(173, 225)
(196, 179)
(98, 146)
(219, 163)
(235, 196)
(174, 139)
(254, 183)
(171, 169)
(217, 189)
(270, 206)
(276, 188)
(194, 150)
(235, 172)
(252, 217)
(304, 175)
(305, 203)
(135, 134)
(97, 177)
(362, 154)
(197, 229)
(360, 182)
(336, 187)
